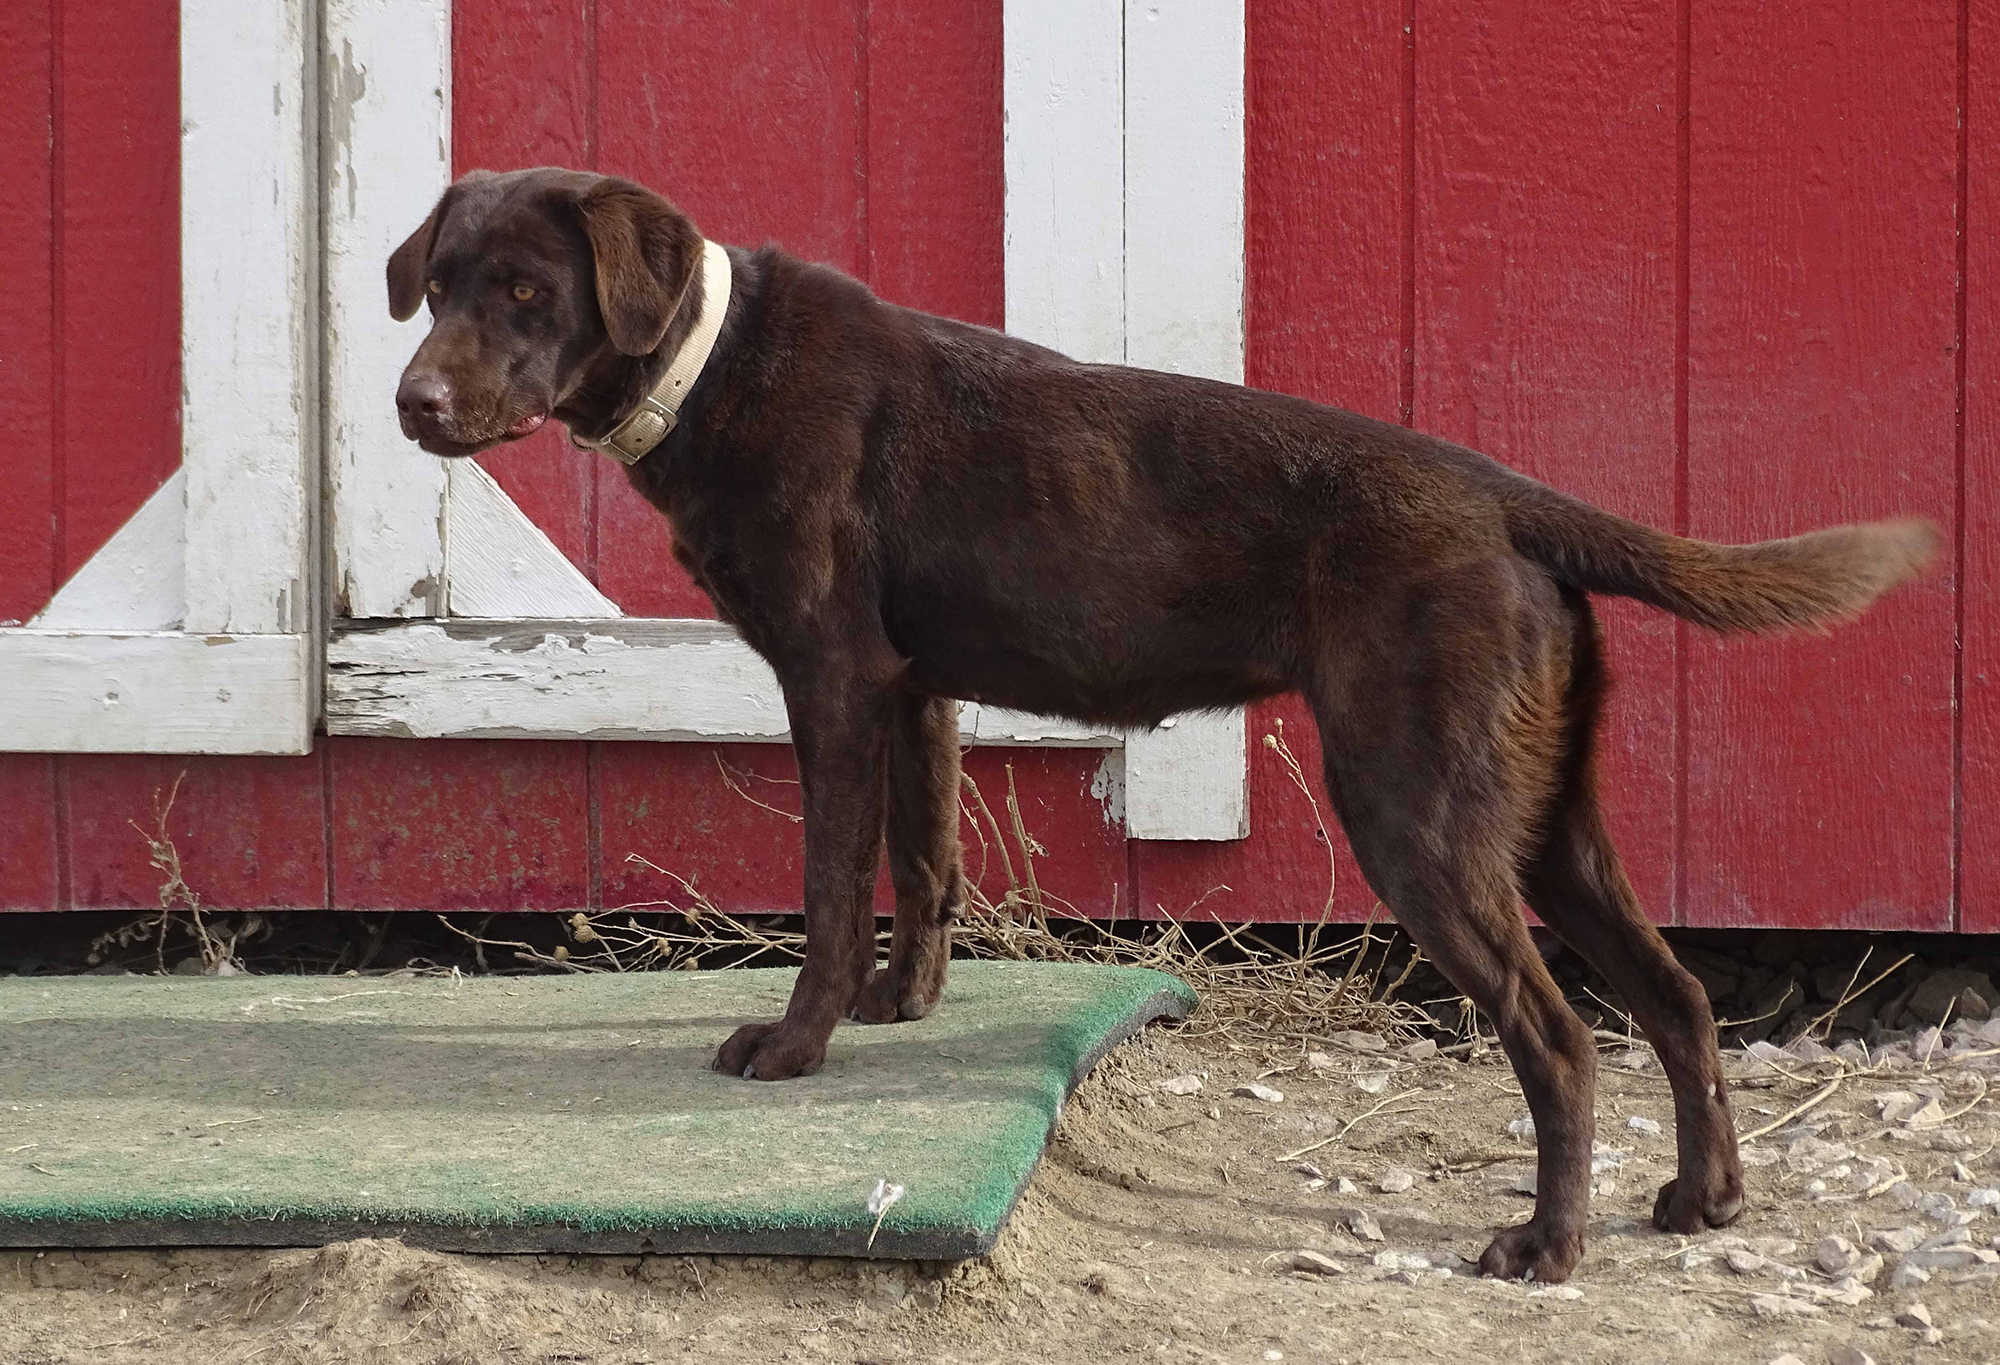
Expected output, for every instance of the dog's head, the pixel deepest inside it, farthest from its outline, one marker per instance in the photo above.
(532, 278)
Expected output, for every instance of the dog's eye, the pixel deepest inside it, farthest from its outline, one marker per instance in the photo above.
(523, 292)
(436, 287)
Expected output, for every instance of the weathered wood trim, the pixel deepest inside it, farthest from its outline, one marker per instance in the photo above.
(622, 678)
(137, 581)
(1183, 233)
(249, 241)
(499, 565)
(1064, 95)
(1184, 186)
(386, 78)
(163, 692)
(1189, 779)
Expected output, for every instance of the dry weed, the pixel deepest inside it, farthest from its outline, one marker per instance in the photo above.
(1250, 991)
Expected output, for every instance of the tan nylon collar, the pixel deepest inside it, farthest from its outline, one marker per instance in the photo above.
(633, 439)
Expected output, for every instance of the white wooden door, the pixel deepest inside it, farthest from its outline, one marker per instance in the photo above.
(455, 616)
(195, 629)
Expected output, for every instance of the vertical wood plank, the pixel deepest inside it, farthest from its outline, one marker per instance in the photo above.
(766, 144)
(1065, 164)
(936, 187)
(1821, 389)
(28, 310)
(248, 830)
(28, 850)
(249, 236)
(120, 267)
(1979, 698)
(678, 807)
(1545, 309)
(1325, 111)
(524, 94)
(1184, 314)
(458, 824)
(385, 69)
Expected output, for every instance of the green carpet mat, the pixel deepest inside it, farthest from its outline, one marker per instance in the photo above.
(533, 1113)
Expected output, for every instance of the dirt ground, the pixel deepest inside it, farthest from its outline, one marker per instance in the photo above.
(1166, 1226)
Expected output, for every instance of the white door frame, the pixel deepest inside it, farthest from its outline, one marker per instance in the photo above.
(195, 628)
(458, 618)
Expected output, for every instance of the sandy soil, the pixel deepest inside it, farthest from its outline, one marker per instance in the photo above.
(1166, 1227)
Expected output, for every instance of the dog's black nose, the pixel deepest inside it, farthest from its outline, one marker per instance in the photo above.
(423, 394)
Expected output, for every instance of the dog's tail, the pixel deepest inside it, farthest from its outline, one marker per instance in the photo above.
(1819, 578)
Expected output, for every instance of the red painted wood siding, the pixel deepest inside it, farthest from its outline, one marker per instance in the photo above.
(1716, 264)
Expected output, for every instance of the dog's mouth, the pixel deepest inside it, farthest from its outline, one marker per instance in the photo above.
(437, 442)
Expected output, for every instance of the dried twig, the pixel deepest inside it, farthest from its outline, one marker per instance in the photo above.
(1348, 1126)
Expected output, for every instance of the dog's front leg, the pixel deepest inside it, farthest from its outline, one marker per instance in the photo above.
(840, 734)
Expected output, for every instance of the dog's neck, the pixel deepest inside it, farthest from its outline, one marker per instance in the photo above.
(626, 412)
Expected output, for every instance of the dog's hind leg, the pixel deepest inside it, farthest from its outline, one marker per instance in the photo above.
(1575, 883)
(1425, 756)
(924, 861)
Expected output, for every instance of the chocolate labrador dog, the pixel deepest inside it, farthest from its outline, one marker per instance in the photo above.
(900, 512)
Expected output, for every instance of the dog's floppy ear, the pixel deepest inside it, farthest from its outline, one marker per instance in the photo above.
(407, 262)
(646, 251)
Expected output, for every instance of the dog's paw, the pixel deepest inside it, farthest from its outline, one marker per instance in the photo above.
(887, 998)
(1533, 1252)
(770, 1052)
(1683, 1207)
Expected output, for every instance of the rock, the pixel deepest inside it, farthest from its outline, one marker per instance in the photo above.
(1639, 1124)
(1744, 1261)
(1395, 1180)
(1836, 1255)
(1257, 1091)
(1951, 1258)
(1345, 1186)
(1896, 1240)
(1786, 1359)
(1778, 1306)
(1867, 1268)
(1371, 1082)
(1359, 1222)
(1916, 1315)
(1309, 1171)
(1939, 1208)
(1181, 1085)
(1930, 1336)
(1567, 1292)
(1522, 1129)
(1989, 1032)
(1950, 1237)
(1213, 1112)
(1421, 1051)
(1634, 1059)
(1768, 1056)
(1718, 979)
(1942, 990)
(1360, 1042)
(1810, 1050)
(1927, 1115)
(1841, 1353)
(1402, 1260)
(1848, 1290)
(1908, 1276)
(1316, 1263)
(1318, 1061)
(1984, 1198)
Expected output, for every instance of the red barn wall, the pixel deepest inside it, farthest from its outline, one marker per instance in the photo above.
(1714, 265)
